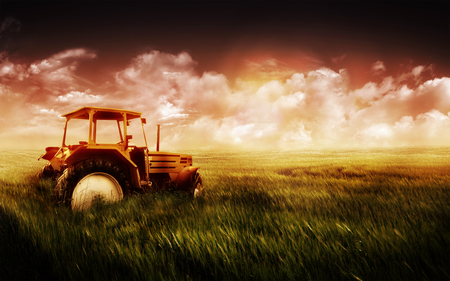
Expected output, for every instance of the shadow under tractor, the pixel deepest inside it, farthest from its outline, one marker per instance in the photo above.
(91, 170)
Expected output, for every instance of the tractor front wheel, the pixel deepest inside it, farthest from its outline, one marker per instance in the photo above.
(89, 180)
(197, 187)
(47, 172)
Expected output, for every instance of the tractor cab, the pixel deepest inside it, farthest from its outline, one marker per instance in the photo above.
(112, 125)
(121, 119)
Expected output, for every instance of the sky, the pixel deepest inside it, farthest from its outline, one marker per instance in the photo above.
(231, 75)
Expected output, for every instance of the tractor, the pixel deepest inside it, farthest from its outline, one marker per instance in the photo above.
(92, 170)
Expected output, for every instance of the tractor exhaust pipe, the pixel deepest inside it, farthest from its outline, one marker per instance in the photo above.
(157, 139)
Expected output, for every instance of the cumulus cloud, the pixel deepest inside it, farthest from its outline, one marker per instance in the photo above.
(79, 98)
(319, 109)
(56, 74)
(311, 109)
(64, 60)
(10, 71)
(316, 108)
(26, 89)
(163, 84)
(46, 79)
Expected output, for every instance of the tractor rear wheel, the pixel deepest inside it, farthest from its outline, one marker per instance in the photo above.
(89, 180)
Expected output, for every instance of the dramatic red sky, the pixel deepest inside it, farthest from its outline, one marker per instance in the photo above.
(232, 75)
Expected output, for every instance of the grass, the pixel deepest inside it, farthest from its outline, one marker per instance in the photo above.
(379, 214)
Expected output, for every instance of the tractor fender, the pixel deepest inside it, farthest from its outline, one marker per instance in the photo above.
(185, 178)
(51, 152)
(113, 155)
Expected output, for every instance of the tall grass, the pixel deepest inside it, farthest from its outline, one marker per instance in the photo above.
(305, 215)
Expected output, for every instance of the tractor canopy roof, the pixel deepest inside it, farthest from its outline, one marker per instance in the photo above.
(101, 113)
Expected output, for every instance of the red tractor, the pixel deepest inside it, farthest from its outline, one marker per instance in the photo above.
(90, 169)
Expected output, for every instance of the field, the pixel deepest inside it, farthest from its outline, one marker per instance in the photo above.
(378, 214)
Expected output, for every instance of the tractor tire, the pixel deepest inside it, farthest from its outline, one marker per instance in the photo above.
(68, 181)
(197, 186)
(47, 172)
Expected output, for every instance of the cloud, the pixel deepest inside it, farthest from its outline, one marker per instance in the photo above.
(147, 68)
(44, 80)
(79, 98)
(397, 100)
(44, 84)
(312, 109)
(378, 67)
(31, 126)
(10, 71)
(304, 110)
(417, 70)
(56, 74)
(434, 125)
(416, 75)
(268, 69)
(64, 60)
(164, 84)
(375, 133)
(9, 26)
(339, 59)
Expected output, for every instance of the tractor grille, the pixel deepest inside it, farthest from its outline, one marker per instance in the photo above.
(163, 162)
(164, 155)
(168, 163)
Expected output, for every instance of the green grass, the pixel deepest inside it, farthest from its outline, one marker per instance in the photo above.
(379, 214)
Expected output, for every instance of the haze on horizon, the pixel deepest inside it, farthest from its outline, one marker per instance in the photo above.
(228, 76)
